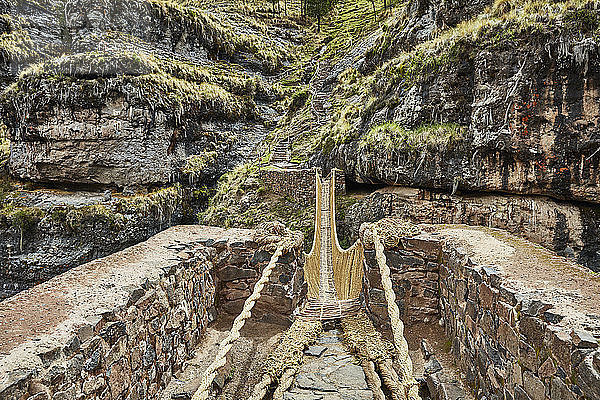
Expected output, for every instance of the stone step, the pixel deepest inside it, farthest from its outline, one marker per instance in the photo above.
(329, 372)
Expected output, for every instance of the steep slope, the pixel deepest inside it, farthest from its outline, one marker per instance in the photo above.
(121, 115)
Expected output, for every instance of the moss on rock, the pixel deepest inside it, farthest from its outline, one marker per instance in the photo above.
(90, 80)
(392, 136)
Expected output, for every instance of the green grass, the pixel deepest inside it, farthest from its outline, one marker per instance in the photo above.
(217, 34)
(196, 165)
(91, 79)
(4, 149)
(16, 46)
(391, 136)
(352, 20)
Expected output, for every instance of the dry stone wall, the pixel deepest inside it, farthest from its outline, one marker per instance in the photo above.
(118, 327)
(122, 326)
(298, 184)
(415, 278)
(514, 337)
(238, 264)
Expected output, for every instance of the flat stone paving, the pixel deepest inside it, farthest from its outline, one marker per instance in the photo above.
(329, 372)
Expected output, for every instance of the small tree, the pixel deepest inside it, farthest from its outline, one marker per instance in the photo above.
(317, 8)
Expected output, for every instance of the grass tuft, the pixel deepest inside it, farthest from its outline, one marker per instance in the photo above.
(392, 136)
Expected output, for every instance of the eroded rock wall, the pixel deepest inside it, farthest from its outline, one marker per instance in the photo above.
(39, 242)
(120, 145)
(126, 92)
(569, 229)
(525, 98)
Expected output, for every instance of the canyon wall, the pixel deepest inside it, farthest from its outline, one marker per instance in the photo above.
(46, 233)
(483, 97)
(570, 229)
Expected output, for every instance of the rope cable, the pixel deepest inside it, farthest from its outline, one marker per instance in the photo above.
(226, 344)
(409, 382)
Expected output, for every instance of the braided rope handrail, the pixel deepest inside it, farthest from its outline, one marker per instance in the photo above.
(234, 334)
(408, 380)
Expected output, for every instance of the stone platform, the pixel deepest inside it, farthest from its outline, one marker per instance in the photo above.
(122, 326)
(329, 372)
(521, 322)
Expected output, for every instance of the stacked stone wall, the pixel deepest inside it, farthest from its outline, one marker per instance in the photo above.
(299, 184)
(415, 278)
(123, 326)
(130, 350)
(510, 344)
(238, 266)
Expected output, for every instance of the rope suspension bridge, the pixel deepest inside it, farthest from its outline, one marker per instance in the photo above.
(335, 278)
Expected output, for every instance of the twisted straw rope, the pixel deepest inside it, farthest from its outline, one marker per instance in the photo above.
(409, 382)
(220, 359)
(285, 382)
(373, 379)
(260, 390)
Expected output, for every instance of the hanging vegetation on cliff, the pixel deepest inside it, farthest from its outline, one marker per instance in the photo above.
(90, 80)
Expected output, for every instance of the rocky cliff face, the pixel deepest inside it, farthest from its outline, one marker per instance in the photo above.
(504, 101)
(47, 233)
(142, 91)
(124, 97)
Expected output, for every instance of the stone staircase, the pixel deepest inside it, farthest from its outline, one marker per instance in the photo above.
(320, 96)
(281, 153)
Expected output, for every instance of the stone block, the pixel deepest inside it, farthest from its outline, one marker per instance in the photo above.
(560, 345)
(534, 308)
(487, 296)
(508, 338)
(589, 375)
(560, 391)
(547, 369)
(119, 377)
(534, 386)
(488, 324)
(232, 273)
(534, 330)
(527, 356)
(506, 312)
(520, 394)
(584, 339)
(508, 295)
